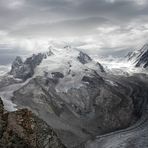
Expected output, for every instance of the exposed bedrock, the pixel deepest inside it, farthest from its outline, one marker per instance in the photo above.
(25, 70)
(135, 136)
(22, 129)
(84, 58)
(97, 107)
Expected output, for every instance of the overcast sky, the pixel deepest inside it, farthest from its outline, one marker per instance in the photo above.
(100, 25)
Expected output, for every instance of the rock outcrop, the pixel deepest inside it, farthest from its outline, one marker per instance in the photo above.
(84, 58)
(57, 75)
(25, 70)
(139, 57)
(22, 129)
(100, 67)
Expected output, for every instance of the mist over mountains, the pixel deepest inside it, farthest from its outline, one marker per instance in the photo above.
(73, 74)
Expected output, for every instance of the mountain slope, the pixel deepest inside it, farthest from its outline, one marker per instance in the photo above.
(73, 93)
(22, 129)
(139, 57)
(135, 136)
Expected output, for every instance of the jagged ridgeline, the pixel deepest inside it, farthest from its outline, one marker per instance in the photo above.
(23, 129)
(139, 57)
(74, 94)
(25, 70)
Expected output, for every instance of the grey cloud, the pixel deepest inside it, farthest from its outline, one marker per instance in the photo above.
(59, 18)
(75, 27)
(55, 10)
(8, 54)
(115, 52)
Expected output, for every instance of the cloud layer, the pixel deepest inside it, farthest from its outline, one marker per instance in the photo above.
(109, 24)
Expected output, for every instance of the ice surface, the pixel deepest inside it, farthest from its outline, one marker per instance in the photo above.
(120, 66)
(4, 69)
(64, 60)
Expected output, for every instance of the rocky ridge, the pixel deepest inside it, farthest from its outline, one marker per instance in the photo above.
(24, 70)
(139, 57)
(23, 129)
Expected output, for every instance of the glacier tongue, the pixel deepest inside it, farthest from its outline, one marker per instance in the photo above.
(7, 93)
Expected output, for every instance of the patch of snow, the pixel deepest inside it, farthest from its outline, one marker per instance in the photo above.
(8, 104)
(119, 66)
(69, 82)
(64, 60)
(111, 83)
(4, 69)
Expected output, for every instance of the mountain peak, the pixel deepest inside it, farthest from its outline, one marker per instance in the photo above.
(139, 57)
(84, 58)
(25, 70)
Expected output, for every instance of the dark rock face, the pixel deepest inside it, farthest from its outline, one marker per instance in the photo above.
(84, 58)
(93, 81)
(49, 53)
(140, 57)
(22, 129)
(34, 60)
(17, 62)
(101, 67)
(25, 70)
(57, 75)
(143, 60)
(137, 134)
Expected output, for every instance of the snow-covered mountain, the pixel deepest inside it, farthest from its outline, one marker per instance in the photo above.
(139, 57)
(67, 64)
(73, 92)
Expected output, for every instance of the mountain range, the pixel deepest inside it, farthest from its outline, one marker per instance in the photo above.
(84, 103)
